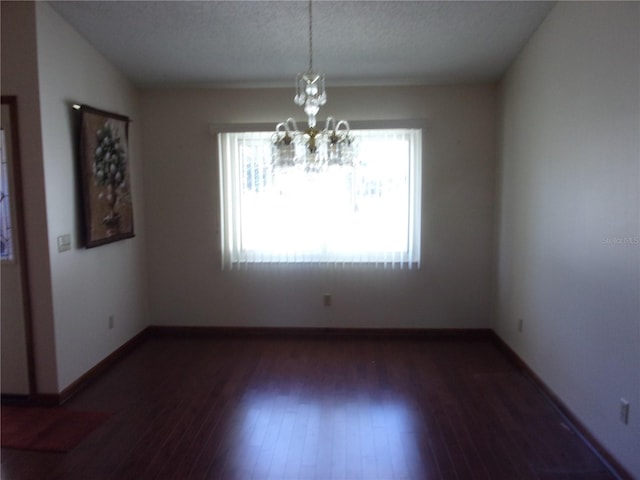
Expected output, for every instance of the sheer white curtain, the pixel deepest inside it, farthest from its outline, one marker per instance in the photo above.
(366, 215)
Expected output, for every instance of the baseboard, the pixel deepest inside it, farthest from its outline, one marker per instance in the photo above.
(176, 331)
(11, 399)
(57, 399)
(37, 400)
(420, 333)
(101, 367)
(596, 447)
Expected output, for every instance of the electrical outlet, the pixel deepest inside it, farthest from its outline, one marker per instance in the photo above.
(111, 322)
(624, 411)
(326, 299)
(520, 325)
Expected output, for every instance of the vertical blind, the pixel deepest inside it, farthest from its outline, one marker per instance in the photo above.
(369, 214)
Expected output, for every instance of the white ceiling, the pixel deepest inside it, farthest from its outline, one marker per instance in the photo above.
(265, 43)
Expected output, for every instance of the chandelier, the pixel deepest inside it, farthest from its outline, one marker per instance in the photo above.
(312, 149)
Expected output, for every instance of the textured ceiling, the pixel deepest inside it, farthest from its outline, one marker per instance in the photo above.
(263, 43)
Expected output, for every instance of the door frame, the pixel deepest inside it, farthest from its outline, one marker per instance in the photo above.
(20, 237)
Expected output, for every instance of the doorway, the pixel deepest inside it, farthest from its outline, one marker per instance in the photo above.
(17, 363)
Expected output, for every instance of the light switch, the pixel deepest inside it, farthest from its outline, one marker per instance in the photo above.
(64, 243)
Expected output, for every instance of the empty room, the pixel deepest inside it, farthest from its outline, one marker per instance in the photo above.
(320, 240)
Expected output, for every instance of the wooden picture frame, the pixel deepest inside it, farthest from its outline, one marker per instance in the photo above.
(103, 157)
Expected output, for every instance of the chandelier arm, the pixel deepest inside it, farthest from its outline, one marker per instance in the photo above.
(331, 124)
(291, 123)
(344, 124)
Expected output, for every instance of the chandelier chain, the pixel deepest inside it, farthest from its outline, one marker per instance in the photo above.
(310, 38)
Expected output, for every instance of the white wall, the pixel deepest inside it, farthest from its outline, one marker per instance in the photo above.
(451, 290)
(20, 78)
(569, 253)
(88, 285)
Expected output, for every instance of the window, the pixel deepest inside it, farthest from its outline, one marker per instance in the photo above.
(6, 236)
(370, 214)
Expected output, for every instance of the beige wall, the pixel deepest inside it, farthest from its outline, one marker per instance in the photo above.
(451, 290)
(88, 285)
(569, 253)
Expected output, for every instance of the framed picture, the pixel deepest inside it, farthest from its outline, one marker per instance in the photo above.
(105, 183)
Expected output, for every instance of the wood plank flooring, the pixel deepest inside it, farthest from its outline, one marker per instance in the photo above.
(316, 408)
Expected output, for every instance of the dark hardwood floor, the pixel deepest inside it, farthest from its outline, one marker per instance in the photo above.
(316, 408)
